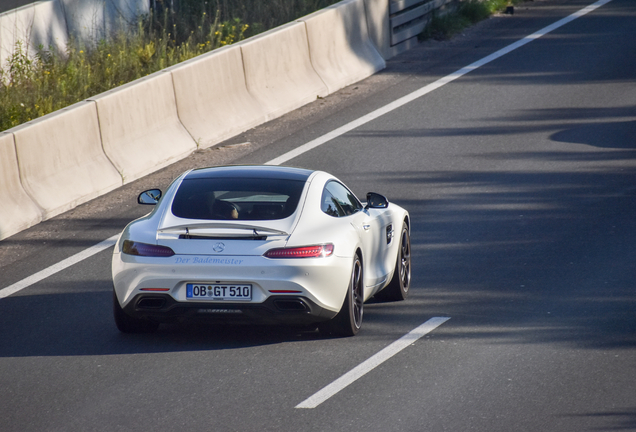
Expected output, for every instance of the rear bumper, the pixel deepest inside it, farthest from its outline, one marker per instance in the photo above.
(289, 310)
(321, 282)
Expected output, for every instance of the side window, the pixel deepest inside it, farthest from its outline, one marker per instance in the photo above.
(330, 205)
(338, 201)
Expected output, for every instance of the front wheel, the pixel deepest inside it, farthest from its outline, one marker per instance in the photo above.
(349, 319)
(127, 324)
(398, 288)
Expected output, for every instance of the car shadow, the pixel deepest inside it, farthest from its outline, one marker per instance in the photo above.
(81, 323)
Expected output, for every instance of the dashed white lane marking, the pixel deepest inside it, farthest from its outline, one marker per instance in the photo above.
(64, 264)
(12, 289)
(430, 87)
(372, 362)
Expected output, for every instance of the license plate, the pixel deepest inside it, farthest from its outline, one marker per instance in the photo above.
(222, 292)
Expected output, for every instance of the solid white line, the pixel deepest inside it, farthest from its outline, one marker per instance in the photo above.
(12, 289)
(430, 87)
(64, 264)
(372, 362)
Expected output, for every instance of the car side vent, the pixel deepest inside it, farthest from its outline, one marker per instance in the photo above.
(389, 234)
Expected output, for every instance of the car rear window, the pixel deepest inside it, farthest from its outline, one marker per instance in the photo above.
(237, 198)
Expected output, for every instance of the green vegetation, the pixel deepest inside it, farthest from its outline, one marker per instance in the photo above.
(31, 87)
(468, 13)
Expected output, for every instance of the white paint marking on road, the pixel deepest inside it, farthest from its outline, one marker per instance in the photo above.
(430, 87)
(64, 264)
(372, 362)
(12, 289)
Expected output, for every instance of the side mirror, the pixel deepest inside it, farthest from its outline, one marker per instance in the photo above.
(375, 200)
(149, 197)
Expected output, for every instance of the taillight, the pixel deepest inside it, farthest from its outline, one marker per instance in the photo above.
(316, 251)
(144, 249)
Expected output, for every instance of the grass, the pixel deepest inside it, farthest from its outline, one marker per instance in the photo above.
(468, 13)
(31, 87)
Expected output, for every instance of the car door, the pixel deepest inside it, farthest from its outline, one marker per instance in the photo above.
(339, 201)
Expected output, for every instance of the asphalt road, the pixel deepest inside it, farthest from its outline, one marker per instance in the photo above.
(520, 179)
(7, 5)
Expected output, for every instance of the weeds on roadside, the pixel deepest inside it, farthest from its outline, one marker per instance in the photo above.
(32, 86)
(468, 13)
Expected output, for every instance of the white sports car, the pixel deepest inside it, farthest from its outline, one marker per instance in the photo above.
(260, 244)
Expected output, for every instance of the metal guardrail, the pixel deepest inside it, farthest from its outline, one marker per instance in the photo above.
(409, 17)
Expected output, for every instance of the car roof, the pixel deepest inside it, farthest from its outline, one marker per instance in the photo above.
(250, 171)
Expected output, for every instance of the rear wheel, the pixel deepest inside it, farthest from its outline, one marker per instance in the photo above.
(398, 288)
(349, 319)
(127, 324)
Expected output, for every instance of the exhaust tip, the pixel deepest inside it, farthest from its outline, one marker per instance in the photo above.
(291, 305)
(151, 303)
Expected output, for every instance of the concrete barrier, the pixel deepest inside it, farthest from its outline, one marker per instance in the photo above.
(40, 23)
(49, 23)
(339, 45)
(212, 99)
(140, 129)
(15, 27)
(61, 160)
(84, 20)
(123, 14)
(278, 70)
(49, 26)
(377, 12)
(88, 21)
(78, 153)
(18, 211)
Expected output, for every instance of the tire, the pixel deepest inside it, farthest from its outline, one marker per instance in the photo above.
(127, 324)
(398, 288)
(349, 319)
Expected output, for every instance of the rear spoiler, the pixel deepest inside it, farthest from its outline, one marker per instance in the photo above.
(220, 230)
